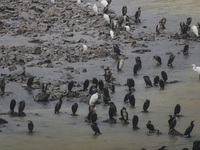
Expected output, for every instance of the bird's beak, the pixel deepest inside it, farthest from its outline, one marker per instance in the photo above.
(152, 58)
(190, 65)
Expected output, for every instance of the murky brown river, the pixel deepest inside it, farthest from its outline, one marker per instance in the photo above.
(63, 131)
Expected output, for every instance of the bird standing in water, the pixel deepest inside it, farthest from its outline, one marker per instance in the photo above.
(137, 15)
(196, 68)
(30, 126)
(171, 59)
(95, 128)
(158, 59)
(58, 106)
(189, 129)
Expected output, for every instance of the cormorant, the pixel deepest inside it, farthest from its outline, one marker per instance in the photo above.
(95, 128)
(124, 10)
(171, 59)
(21, 107)
(116, 49)
(135, 122)
(86, 84)
(158, 59)
(185, 49)
(30, 126)
(189, 20)
(162, 84)
(172, 124)
(12, 105)
(136, 68)
(164, 76)
(2, 85)
(146, 105)
(189, 129)
(150, 127)
(130, 83)
(147, 81)
(138, 60)
(74, 109)
(70, 85)
(30, 81)
(101, 85)
(137, 15)
(177, 110)
(124, 115)
(58, 106)
(156, 80)
(132, 100)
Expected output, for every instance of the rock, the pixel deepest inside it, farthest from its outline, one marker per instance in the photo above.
(12, 68)
(42, 97)
(150, 38)
(3, 121)
(37, 51)
(141, 51)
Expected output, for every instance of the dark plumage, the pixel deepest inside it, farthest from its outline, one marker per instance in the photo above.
(170, 119)
(30, 126)
(135, 121)
(95, 128)
(177, 110)
(146, 105)
(124, 10)
(2, 85)
(162, 148)
(116, 49)
(158, 59)
(70, 85)
(163, 21)
(184, 28)
(156, 80)
(112, 87)
(106, 92)
(185, 49)
(137, 15)
(21, 107)
(196, 145)
(12, 105)
(158, 28)
(164, 76)
(95, 82)
(162, 84)
(171, 59)
(93, 90)
(148, 82)
(115, 108)
(126, 97)
(172, 124)
(111, 111)
(130, 83)
(30, 81)
(101, 85)
(86, 84)
(74, 108)
(58, 106)
(138, 60)
(189, 129)
(132, 100)
(189, 20)
(94, 117)
(124, 115)
(136, 68)
(150, 126)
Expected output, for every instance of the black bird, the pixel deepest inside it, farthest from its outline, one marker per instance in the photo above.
(156, 80)
(92, 109)
(189, 20)
(30, 126)
(58, 106)
(162, 148)
(124, 10)
(2, 85)
(163, 21)
(158, 59)
(147, 80)
(94, 117)
(74, 109)
(126, 97)
(150, 127)
(171, 59)
(12, 105)
(189, 129)
(170, 119)
(138, 60)
(177, 110)
(184, 27)
(106, 92)
(146, 105)
(164, 76)
(115, 108)
(95, 128)
(135, 122)
(137, 15)
(116, 49)
(95, 82)
(185, 49)
(136, 68)
(130, 83)
(86, 84)
(132, 100)
(112, 87)
(21, 107)
(124, 115)
(162, 84)
(196, 145)
(93, 90)
(158, 28)
(172, 124)
(111, 111)
(101, 85)
(30, 81)
(70, 85)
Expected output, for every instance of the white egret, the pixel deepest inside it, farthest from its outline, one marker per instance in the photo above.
(107, 18)
(196, 68)
(104, 3)
(195, 30)
(53, 1)
(112, 34)
(78, 2)
(127, 28)
(85, 47)
(95, 9)
(94, 98)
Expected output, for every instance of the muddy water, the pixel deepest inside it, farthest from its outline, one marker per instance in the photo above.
(63, 131)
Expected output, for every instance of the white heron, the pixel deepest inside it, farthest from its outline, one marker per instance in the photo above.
(104, 3)
(107, 18)
(195, 30)
(120, 64)
(94, 98)
(78, 2)
(196, 68)
(111, 34)
(95, 9)
(127, 28)
(85, 47)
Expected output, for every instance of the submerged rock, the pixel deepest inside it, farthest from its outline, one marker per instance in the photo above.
(42, 97)
(3, 121)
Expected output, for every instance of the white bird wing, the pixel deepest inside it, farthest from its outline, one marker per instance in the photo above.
(95, 9)
(112, 34)
(195, 30)
(104, 3)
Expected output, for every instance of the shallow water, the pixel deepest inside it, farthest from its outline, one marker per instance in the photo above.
(62, 131)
